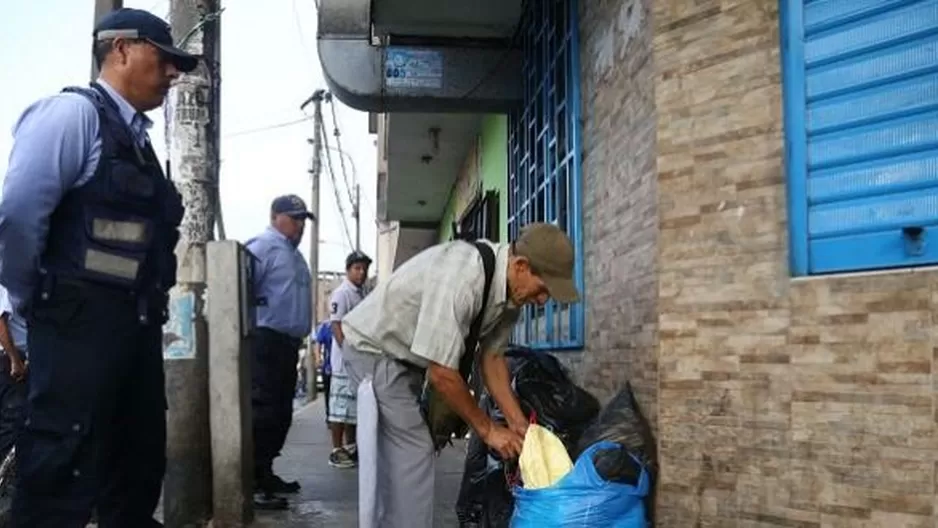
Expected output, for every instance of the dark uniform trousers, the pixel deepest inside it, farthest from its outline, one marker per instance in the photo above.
(95, 430)
(12, 406)
(273, 380)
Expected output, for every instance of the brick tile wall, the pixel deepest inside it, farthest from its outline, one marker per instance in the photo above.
(620, 204)
(802, 403)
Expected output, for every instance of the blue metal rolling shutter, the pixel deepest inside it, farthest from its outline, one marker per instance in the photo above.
(863, 168)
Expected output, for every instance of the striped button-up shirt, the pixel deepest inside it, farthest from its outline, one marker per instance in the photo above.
(423, 311)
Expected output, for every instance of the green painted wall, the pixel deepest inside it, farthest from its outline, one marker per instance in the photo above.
(494, 169)
(495, 165)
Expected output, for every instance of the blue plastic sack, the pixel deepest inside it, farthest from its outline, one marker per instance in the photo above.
(583, 499)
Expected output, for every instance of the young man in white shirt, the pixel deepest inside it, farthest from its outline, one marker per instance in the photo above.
(342, 411)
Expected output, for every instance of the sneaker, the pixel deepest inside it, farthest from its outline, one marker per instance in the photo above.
(352, 451)
(341, 459)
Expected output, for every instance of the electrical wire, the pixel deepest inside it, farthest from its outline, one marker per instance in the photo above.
(335, 184)
(347, 156)
(152, 8)
(351, 161)
(338, 145)
(268, 127)
(204, 19)
(299, 30)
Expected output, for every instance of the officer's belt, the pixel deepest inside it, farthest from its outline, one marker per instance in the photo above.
(145, 302)
(294, 342)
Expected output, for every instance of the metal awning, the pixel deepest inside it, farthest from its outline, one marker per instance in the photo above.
(421, 55)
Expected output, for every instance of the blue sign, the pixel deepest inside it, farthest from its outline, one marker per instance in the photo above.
(410, 68)
(179, 330)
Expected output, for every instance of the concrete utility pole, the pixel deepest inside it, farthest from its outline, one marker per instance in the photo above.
(101, 8)
(315, 171)
(192, 136)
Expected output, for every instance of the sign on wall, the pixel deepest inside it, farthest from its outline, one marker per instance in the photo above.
(179, 330)
(410, 68)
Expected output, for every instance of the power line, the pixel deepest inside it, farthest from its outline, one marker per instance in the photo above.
(351, 161)
(338, 144)
(335, 184)
(158, 4)
(299, 29)
(268, 127)
(345, 156)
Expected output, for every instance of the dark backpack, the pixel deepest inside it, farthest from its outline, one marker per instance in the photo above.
(443, 422)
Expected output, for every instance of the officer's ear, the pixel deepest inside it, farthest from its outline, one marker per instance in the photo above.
(120, 47)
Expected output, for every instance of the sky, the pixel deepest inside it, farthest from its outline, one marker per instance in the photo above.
(269, 67)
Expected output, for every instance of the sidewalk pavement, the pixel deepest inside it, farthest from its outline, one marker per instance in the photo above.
(329, 497)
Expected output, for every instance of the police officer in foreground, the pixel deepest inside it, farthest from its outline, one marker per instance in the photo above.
(88, 226)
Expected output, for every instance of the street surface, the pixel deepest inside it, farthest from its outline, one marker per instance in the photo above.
(329, 495)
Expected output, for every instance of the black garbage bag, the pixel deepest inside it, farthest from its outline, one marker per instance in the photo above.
(617, 465)
(485, 499)
(544, 390)
(622, 421)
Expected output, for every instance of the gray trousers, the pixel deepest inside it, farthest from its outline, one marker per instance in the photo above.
(405, 451)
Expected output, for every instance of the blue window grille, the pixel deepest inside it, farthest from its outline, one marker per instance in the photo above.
(861, 133)
(544, 183)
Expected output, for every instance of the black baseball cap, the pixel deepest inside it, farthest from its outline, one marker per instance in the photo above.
(356, 257)
(291, 205)
(139, 24)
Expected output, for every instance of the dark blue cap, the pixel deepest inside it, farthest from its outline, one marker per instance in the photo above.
(291, 205)
(139, 24)
(356, 257)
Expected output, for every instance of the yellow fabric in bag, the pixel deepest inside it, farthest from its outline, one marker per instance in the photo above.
(544, 459)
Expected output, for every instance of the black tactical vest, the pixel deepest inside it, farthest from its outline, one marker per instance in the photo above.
(121, 227)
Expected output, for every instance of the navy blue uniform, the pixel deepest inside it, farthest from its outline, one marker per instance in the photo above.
(95, 432)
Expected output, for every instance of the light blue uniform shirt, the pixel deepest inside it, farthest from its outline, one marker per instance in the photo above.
(56, 148)
(15, 323)
(281, 284)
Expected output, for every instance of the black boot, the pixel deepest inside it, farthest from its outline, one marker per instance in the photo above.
(265, 500)
(277, 485)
